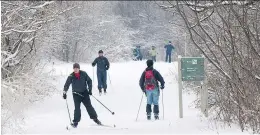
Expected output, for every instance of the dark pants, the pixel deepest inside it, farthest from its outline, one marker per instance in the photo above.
(168, 55)
(102, 79)
(154, 58)
(86, 102)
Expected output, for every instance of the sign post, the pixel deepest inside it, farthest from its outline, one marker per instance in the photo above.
(180, 87)
(190, 69)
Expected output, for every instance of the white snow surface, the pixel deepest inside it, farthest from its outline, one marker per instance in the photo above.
(124, 95)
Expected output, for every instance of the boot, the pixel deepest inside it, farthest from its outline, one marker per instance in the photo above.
(97, 121)
(148, 111)
(148, 116)
(156, 116)
(74, 125)
(156, 112)
(100, 91)
(105, 91)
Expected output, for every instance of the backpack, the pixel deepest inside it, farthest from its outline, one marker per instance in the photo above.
(150, 81)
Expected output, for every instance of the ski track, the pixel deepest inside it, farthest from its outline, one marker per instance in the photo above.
(124, 95)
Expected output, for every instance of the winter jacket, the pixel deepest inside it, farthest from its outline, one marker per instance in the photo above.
(157, 76)
(102, 63)
(153, 52)
(79, 85)
(169, 48)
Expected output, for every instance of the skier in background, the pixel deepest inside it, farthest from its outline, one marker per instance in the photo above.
(169, 47)
(81, 89)
(153, 53)
(139, 54)
(102, 67)
(135, 54)
(149, 85)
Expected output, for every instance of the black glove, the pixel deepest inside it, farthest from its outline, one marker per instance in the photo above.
(162, 87)
(90, 92)
(107, 68)
(64, 94)
(93, 64)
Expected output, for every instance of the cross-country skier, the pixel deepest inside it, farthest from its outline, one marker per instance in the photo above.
(81, 89)
(153, 53)
(102, 67)
(149, 85)
(139, 53)
(169, 47)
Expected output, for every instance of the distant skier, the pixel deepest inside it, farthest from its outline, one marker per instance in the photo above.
(169, 47)
(81, 89)
(149, 85)
(153, 53)
(139, 54)
(102, 67)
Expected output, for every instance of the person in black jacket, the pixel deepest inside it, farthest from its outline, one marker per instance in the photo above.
(80, 92)
(150, 86)
(102, 67)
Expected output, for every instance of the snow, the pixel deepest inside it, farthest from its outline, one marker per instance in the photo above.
(124, 95)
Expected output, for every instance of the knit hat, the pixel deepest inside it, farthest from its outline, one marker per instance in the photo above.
(100, 51)
(149, 63)
(76, 65)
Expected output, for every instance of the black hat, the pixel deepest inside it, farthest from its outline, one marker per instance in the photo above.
(100, 51)
(149, 63)
(76, 65)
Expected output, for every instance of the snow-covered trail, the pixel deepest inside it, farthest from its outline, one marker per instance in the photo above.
(124, 96)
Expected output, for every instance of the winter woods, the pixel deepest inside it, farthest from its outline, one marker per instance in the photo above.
(227, 34)
(23, 77)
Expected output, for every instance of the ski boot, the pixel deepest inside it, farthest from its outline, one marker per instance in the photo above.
(100, 92)
(105, 91)
(156, 116)
(74, 125)
(97, 121)
(148, 116)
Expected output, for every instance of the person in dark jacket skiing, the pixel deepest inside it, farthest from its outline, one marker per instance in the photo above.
(169, 47)
(150, 86)
(102, 67)
(81, 89)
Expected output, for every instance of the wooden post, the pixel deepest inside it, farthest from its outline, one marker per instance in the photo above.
(180, 87)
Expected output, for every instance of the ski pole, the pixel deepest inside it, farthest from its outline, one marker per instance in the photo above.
(104, 106)
(93, 75)
(68, 110)
(139, 107)
(162, 104)
(109, 77)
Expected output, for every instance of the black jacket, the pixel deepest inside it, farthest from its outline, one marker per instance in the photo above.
(102, 63)
(79, 85)
(156, 74)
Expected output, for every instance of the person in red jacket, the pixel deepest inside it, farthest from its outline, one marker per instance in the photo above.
(149, 85)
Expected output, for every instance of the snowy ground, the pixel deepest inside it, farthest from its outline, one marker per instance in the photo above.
(124, 95)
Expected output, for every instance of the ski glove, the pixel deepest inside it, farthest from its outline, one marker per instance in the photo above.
(93, 64)
(90, 92)
(107, 68)
(162, 87)
(64, 94)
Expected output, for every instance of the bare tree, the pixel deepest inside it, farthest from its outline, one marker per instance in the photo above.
(227, 34)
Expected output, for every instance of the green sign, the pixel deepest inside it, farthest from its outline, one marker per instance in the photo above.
(192, 69)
